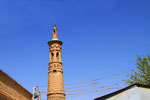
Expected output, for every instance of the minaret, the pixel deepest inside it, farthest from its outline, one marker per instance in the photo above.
(55, 73)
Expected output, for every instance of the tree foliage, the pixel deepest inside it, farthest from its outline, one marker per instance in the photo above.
(142, 73)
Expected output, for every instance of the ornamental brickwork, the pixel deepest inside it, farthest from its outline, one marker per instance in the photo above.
(55, 73)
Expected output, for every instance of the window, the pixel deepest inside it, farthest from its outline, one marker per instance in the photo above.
(52, 54)
(57, 54)
(55, 71)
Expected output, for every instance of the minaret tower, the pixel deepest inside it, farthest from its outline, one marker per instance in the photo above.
(55, 73)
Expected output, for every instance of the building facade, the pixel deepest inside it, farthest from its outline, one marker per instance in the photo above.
(55, 73)
(11, 90)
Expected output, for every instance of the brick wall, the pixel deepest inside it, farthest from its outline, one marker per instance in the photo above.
(11, 90)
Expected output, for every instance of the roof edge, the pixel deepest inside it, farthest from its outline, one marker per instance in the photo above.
(121, 90)
(15, 82)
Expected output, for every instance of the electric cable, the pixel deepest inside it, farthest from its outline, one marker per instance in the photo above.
(92, 80)
(92, 83)
(95, 87)
(97, 78)
(94, 90)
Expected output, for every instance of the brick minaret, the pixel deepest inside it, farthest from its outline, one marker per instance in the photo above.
(55, 73)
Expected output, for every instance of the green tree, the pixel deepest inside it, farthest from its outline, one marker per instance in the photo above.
(142, 73)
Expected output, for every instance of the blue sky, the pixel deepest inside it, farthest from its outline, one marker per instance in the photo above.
(100, 38)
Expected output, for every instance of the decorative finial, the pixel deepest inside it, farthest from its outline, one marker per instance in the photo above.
(54, 24)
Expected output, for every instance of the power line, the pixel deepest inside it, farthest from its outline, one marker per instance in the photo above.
(85, 90)
(82, 85)
(98, 78)
(91, 80)
(108, 78)
(82, 82)
(94, 91)
(95, 87)
(41, 85)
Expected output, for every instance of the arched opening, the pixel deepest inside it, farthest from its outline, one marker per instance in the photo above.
(57, 55)
(52, 55)
(54, 71)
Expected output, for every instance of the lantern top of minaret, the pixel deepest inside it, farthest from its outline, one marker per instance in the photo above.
(54, 36)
